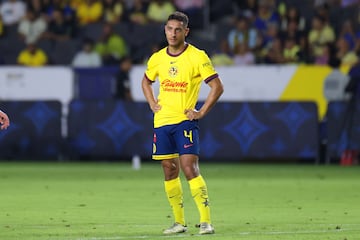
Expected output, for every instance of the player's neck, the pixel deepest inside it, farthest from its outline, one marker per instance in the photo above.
(176, 50)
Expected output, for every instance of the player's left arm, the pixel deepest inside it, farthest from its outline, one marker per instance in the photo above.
(216, 90)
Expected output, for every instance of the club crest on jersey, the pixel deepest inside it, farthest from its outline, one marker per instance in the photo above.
(173, 71)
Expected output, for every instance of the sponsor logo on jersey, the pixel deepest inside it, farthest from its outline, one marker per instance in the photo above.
(173, 86)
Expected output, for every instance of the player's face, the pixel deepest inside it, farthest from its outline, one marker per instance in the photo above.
(175, 33)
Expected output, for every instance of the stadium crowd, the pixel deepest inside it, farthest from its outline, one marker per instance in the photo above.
(92, 33)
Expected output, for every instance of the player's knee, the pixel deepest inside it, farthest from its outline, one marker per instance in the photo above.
(190, 171)
(171, 169)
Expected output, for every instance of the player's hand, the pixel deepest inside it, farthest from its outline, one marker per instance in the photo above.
(4, 120)
(193, 114)
(155, 107)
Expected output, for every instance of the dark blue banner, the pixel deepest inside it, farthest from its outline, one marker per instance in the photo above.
(261, 129)
(35, 130)
(231, 130)
(343, 127)
(116, 129)
(109, 129)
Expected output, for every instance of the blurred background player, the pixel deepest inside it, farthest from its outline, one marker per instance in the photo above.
(122, 86)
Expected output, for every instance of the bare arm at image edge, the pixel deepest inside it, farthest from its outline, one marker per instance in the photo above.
(4, 120)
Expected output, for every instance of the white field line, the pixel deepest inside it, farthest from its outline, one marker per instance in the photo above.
(221, 234)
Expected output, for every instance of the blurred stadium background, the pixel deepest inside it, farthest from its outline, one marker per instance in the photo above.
(273, 109)
(70, 74)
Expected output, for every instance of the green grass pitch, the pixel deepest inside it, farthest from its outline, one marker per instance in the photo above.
(110, 201)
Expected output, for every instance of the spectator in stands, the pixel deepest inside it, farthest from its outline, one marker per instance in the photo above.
(333, 14)
(58, 28)
(159, 10)
(242, 55)
(194, 9)
(355, 72)
(305, 56)
(68, 11)
(275, 53)
(293, 15)
(336, 82)
(328, 52)
(248, 8)
(319, 35)
(220, 10)
(111, 46)
(114, 11)
(357, 44)
(32, 27)
(291, 51)
(137, 13)
(74, 4)
(87, 57)
(32, 56)
(243, 34)
(266, 14)
(89, 11)
(122, 90)
(37, 6)
(4, 120)
(347, 31)
(344, 53)
(12, 11)
(223, 57)
(292, 31)
(1, 28)
(268, 37)
(271, 33)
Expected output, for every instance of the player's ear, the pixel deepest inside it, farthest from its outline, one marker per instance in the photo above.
(187, 30)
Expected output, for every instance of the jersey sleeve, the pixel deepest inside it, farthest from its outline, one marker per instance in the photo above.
(151, 72)
(206, 68)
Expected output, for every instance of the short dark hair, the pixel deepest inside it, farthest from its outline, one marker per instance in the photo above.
(334, 62)
(182, 17)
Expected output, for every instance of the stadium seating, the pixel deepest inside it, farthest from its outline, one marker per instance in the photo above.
(64, 51)
(10, 49)
(92, 31)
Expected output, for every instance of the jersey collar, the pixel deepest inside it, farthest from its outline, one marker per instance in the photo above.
(175, 55)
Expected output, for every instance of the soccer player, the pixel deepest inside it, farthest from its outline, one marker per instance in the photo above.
(4, 120)
(180, 68)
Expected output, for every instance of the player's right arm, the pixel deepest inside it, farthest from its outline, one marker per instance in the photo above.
(150, 75)
(148, 91)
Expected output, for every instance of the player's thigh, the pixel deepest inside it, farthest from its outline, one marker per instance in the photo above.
(187, 138)
(164, 145)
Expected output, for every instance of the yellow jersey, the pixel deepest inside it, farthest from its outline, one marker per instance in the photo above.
(89, 13)
(180, 77)
(32, 60)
